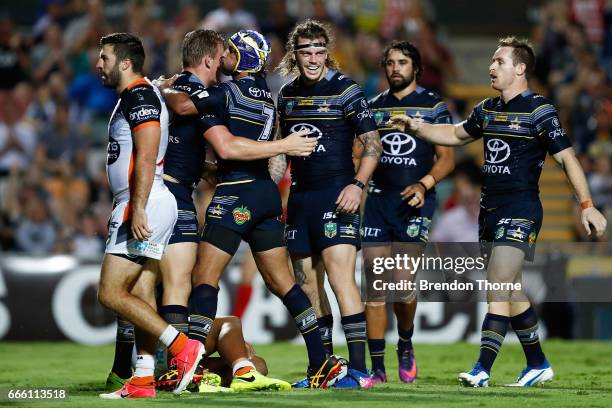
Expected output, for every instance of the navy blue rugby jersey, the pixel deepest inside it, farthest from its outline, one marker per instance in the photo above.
(516, 135)
(186, 148)
(334, 110)
(246, 108)
(405, 158)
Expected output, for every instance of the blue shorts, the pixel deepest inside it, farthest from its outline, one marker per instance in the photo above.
(245, 207)
(186, 227)
(313, 223)
(388, 218)
(515, 224)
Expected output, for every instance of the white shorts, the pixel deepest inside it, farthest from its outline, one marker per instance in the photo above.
(161, 215)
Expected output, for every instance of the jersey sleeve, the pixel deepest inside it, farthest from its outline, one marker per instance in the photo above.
(474, 123)
(548, 128)
(212, 106)
(141, 107)
(441, 113)
(357, 111)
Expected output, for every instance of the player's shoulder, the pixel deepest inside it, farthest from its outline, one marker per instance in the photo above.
(139, 92)
(428, 98)
(534, 101)
(379, 99)
(189, 83)
(489, 103)
(289, 88)
(342, 83)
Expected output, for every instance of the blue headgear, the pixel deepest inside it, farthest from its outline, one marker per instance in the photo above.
(252, 49)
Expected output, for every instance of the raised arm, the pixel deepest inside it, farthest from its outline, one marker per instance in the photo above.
(230, 147)
(440, 134)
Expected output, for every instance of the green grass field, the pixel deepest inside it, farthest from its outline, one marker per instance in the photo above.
(583, 378)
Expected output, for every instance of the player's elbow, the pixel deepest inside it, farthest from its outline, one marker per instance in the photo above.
(184, 108)
(226, 151)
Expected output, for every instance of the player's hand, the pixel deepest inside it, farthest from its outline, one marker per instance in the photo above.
(250, 350)
(592, 216)
(162, 82)
(403, 123)
(299, 144)
(415, 194)
(140, 225)
(349, 199)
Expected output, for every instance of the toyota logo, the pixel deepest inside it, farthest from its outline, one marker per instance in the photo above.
(314, 131)
(398, 144)
(497, 151)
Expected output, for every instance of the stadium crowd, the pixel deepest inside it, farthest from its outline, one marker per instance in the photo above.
(54, 194)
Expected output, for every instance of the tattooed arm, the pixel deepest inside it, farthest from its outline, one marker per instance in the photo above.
(372, 149)
(277, 165)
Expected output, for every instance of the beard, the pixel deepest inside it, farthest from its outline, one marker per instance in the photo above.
(397, 85)
(113, 79)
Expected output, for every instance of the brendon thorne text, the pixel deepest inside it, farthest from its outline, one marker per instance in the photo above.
(425, 285)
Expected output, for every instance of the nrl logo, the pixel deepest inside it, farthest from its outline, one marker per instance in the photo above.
(330, 229)
(241, 215)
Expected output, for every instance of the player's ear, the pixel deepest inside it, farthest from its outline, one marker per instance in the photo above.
(520, 69)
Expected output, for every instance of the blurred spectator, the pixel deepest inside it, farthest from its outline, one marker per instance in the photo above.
(61, 148)
(86, 243)
(50, 56)
(229, 18)
(278, 22)
(17, 141)
(13, 56)
(155, 43)
(35, 233)
(460, 223)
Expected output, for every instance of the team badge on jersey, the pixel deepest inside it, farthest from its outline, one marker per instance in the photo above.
(532, 238)
(413, 230)
(485, 122)
(330, 229)
(241, 215)
(289, 107)
(500, 232)
(378, 117)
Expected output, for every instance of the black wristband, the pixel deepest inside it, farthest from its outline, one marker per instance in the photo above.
(422, 185)
(358, 184)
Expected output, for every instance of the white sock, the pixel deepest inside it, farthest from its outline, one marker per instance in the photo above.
(242, 364)
(145, 364)
(168, 336)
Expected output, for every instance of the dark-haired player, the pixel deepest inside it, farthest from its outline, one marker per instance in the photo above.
(401, 198)
(143, 216)
(246, 204)
(518, 128)
(322, 212)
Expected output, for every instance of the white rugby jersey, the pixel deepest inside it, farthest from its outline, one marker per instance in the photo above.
(140, 105)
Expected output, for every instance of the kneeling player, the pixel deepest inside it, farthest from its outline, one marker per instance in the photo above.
(238, 366)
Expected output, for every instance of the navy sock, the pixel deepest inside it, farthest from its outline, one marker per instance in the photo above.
(377, 353)
(326, 327)
(525, 326)
(494, 329)
(355, 332)
(124, 346)
(177, 316)
(405, 339)
(302, 312)
(203, 311)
